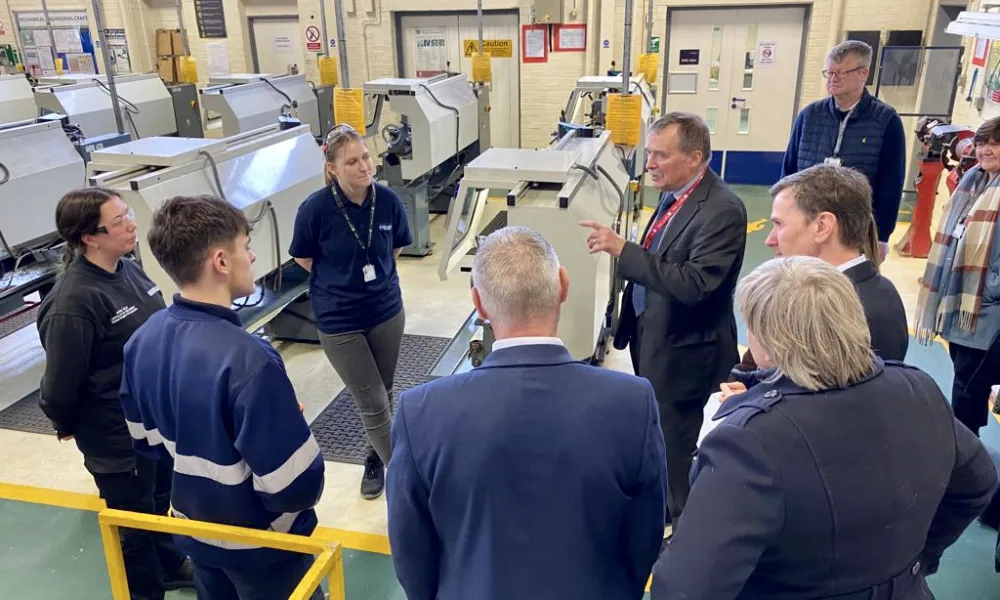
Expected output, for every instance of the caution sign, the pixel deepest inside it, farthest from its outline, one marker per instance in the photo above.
(495, 48)
(624, 118)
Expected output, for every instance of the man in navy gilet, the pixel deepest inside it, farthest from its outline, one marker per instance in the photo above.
(854, 129)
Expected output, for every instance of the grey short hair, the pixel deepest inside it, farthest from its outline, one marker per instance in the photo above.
(860, 49)
(808, 318)
(516, 272)
(691, 129)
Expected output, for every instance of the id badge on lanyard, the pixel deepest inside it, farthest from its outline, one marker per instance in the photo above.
(368, 270)
(835, 159)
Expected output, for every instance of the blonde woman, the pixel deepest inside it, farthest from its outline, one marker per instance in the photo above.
(348, 236)
(812, 485)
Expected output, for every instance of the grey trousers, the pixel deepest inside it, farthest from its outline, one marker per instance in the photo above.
(366, 362)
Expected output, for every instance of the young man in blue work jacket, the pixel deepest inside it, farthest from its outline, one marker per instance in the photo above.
(198, 387)
(853, 129)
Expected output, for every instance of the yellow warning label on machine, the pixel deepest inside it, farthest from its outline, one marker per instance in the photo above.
(624, 118)
(328, 72)
(649, 66)
(349, 108)
(496, 48)
(482, 68)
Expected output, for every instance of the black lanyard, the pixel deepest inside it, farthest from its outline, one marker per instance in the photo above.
(350, 223)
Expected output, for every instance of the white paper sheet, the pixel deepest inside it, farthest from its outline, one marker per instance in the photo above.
(431, 53)
(218, 58)
(67, 40)
(712, 407)
(534, 42)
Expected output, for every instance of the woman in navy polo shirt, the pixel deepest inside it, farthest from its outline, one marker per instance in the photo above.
(348, 236)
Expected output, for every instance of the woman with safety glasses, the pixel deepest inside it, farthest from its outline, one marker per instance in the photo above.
(98, 302)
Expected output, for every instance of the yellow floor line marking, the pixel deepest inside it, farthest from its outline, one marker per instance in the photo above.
(60, 498)
(355, 540)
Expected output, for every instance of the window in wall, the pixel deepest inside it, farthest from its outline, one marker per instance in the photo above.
(751, 55)
(744, 121)
(715, 66)
(711, 113)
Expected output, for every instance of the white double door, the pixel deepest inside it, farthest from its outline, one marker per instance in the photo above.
(421, 60)
(738, 69)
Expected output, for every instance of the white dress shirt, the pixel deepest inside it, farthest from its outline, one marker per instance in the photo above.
(526, 341)
(852, 263)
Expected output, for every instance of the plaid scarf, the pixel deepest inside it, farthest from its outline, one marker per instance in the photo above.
(955, 287)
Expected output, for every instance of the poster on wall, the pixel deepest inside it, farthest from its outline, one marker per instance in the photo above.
(534, 43)
(70, 39)
(430, 54)
(981, 51)
(211, 18)
(993, 74)
(118, 48)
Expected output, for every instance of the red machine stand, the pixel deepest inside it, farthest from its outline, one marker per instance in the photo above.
(917, 243)
(945, 147)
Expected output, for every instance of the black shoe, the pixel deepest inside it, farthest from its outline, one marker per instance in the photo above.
(182, 578)
(373, 482)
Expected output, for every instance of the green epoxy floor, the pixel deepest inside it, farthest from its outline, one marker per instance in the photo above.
(49, 553)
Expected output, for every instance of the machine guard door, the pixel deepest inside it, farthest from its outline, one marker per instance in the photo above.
(463, 226)
(920, 81)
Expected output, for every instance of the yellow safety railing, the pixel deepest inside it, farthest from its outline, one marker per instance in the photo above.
(329, 562)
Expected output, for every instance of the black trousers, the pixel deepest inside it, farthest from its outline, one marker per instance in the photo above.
(680, 420)
(148, 556)
(975, 371)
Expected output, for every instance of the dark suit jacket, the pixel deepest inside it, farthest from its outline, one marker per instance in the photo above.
(688, 340)
(800, 494)
(532, 476)
(883, 310)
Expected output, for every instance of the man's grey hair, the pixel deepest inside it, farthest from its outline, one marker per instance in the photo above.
(859, 49)
(516, 272)
(807, 317)
(692, 131)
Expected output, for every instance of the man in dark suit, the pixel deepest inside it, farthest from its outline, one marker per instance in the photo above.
(677, 312)
(825, 212)
(534, 475)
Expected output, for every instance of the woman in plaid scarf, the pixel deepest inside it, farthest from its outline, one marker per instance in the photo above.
(960, 290)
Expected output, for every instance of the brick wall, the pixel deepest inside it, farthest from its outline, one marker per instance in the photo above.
(544, 87)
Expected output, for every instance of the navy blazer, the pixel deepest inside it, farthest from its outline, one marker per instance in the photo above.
(883, 310)
(532, 476)
(849, 494)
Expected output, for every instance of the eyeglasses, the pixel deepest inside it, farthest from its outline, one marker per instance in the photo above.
(339, 131)
(841, 74)
(118, 222)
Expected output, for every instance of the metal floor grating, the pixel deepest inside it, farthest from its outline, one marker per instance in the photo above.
(25, 415)
(11, 324)
(338, 429)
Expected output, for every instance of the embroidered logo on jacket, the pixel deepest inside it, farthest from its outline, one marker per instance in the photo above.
(123, 313)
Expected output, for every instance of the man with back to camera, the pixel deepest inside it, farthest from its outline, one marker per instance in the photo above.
(547, 473)
(198, 387)
(677, 312)
(824, 212)
(853, 129)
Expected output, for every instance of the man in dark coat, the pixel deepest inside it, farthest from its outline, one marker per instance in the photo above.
(677, 312)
